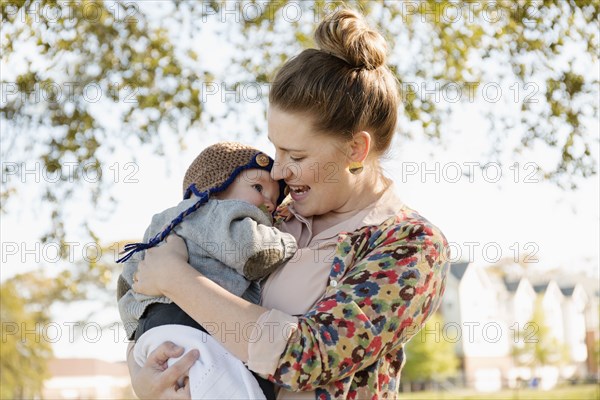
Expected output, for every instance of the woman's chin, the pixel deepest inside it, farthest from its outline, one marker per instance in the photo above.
(303, 208)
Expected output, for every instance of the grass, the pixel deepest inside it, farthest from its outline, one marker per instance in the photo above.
(578, 392)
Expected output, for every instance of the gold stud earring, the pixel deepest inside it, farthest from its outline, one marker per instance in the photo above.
(356, 167)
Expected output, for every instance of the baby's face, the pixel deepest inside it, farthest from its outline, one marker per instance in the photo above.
(254, 186)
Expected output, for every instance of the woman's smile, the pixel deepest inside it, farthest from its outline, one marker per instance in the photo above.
(299, 193)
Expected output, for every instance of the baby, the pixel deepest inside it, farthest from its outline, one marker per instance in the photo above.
(226, 222)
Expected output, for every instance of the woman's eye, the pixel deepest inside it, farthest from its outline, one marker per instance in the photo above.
(258, 188)
(296, 159)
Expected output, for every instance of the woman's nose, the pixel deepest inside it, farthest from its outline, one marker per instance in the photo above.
(279, 170)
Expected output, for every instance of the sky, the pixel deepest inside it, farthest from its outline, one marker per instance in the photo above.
(503, 210)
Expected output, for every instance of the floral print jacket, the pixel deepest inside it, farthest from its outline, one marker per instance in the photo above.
(384, 283)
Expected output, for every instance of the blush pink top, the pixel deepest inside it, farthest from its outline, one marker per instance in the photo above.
(296, 286)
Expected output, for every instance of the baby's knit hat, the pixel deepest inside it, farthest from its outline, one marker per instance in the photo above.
(215, 168)
(220, 164)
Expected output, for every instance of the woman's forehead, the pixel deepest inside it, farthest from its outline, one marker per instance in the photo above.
(295, 132)
(289, 129)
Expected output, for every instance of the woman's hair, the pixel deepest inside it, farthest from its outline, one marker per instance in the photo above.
(344, 85)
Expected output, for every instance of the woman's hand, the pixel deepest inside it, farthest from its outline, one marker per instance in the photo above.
(158, 264)
(157, 381)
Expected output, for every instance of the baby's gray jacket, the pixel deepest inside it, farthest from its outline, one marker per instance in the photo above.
(231, 242)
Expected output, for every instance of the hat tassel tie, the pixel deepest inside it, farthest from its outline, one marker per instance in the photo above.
(131, 248)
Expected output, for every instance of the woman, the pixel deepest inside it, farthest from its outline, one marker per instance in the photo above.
(370, 270)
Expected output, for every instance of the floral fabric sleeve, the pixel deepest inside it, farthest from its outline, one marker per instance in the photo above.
(384, 283)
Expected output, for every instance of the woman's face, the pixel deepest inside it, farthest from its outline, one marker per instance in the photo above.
(313, 165)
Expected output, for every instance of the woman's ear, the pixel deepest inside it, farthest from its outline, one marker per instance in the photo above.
(360, 146)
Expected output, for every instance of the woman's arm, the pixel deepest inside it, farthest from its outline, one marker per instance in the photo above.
(384, 285)
(154, 380)
(228, 318)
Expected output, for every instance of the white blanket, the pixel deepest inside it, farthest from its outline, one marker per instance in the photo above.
(216, 375)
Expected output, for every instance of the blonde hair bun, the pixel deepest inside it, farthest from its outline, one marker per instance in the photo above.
(346, 35)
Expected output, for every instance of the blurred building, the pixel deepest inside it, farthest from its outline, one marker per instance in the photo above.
(470, 303)
(592, 334)
(574, 311)
(87, 378)
(492, 313)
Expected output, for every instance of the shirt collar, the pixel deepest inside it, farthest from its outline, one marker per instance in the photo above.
(386, 206)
